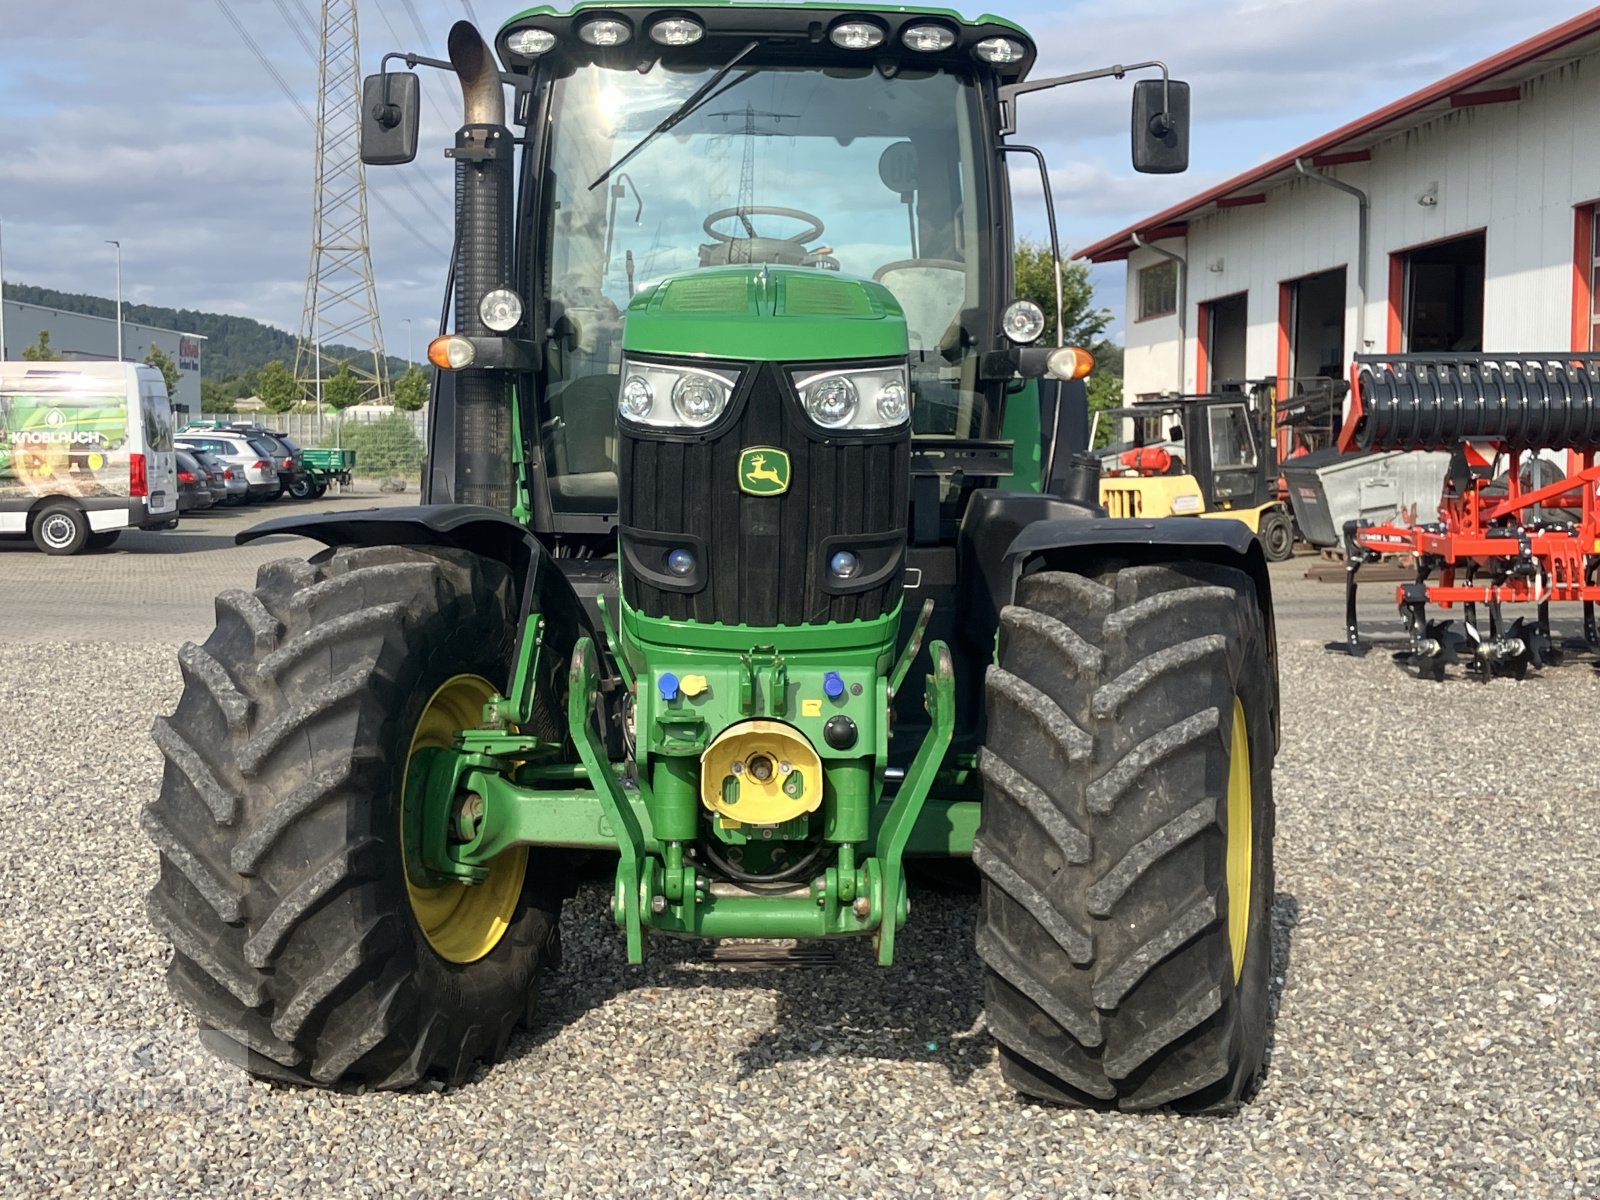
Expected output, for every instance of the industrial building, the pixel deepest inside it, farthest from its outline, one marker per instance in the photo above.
(77, 337)
(1459, 218)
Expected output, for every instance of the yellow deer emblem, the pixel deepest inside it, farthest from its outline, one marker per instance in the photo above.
(757, 478)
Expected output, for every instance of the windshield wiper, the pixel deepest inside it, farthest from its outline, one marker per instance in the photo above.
(700, 96)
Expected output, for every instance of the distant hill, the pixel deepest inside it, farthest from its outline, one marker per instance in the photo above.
(234, 345)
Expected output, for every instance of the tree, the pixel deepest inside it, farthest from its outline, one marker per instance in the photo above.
(157, 358)
(343, 390)
(40, 351)
(1082, 322)
(215, 397)
(276, 387)
(411, 390)
(1083, 325)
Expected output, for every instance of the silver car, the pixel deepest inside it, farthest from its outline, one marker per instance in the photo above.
(249, 457)
(227, 481)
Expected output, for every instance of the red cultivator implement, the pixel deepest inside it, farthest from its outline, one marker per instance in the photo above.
(1512, 528)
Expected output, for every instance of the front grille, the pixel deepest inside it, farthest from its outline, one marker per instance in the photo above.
(1122, 501)
(763, 553)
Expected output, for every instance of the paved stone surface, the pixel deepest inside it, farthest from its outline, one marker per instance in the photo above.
(152, 588)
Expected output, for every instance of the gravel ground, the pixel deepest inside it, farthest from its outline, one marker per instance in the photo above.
(1436, 1036)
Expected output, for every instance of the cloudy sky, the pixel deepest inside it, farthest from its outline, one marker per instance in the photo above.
(152, 122)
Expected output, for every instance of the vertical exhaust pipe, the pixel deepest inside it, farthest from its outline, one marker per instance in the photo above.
(484, 198)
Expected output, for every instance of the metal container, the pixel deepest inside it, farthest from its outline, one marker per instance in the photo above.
(1327, 488)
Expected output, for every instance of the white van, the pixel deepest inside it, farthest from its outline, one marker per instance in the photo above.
(85, 452)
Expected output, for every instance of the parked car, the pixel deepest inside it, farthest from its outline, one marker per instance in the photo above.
(286, 457)
(248, 456)
(227, 485)
(194, 490)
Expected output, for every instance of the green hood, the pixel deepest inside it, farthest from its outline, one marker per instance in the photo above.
(766, 313)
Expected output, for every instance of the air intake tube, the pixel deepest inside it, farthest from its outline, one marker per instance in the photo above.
(484, 198)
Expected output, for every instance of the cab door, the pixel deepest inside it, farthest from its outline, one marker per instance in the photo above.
(1238, 480)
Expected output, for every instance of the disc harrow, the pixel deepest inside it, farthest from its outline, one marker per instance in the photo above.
(1504, 536)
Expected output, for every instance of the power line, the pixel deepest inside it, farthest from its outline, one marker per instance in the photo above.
(395, 214)
(297, 29)
(471, 16)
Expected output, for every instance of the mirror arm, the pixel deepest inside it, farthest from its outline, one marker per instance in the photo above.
(1009, 92)
(390, 116)
(1050, 216)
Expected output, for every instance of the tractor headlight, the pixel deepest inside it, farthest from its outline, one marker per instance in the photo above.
(673, 397)
(604, 32)
(530, 43)
(1022, 322)
(865, 398)
(1000, 50)
(500, 310)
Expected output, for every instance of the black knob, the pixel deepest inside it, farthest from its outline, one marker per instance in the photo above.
(840, 733)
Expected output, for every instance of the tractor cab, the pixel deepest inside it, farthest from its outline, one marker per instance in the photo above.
(1208, 455)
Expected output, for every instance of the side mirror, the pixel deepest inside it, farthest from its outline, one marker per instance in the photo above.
(391, 114)
(1160, 127)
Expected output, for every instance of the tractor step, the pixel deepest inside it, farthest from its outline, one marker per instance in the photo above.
(764, 955)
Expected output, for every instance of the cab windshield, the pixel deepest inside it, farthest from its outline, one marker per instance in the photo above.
(835, 169)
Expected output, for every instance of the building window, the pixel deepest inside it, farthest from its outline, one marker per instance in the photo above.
(1158, 291)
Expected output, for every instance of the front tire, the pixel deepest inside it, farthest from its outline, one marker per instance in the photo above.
(1276, 532)
(282, 889)
(1126, 840)
(60, 528)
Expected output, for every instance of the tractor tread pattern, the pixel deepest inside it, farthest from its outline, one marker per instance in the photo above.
(1127, 747)
(997, 773)
(198, 664)
(1114, 884)
(292, 909)
(1010, 964)
(1078, 945)
(224, 899)
(222, 804)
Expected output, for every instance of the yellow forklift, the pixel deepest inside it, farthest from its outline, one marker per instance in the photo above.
(1209, 455)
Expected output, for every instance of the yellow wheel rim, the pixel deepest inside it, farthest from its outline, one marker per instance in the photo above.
(1239, 839)
(462, 921)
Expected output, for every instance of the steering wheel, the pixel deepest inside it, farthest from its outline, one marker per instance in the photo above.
(811, 233)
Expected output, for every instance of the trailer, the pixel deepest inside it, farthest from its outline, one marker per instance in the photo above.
(326, 465)
(1502, 535)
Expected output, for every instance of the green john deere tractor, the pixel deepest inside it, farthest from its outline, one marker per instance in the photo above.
(754, 560)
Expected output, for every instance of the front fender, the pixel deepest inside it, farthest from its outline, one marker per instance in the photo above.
(484, 531)
(1071, 545)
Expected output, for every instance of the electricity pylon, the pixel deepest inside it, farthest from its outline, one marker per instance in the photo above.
(341, 306)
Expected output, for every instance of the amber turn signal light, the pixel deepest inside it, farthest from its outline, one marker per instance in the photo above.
(451, 353)
(1069, 362)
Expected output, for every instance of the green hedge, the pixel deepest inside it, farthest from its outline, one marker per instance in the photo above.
(387, 446)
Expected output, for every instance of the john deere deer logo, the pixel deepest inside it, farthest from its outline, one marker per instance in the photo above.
(763, 471)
